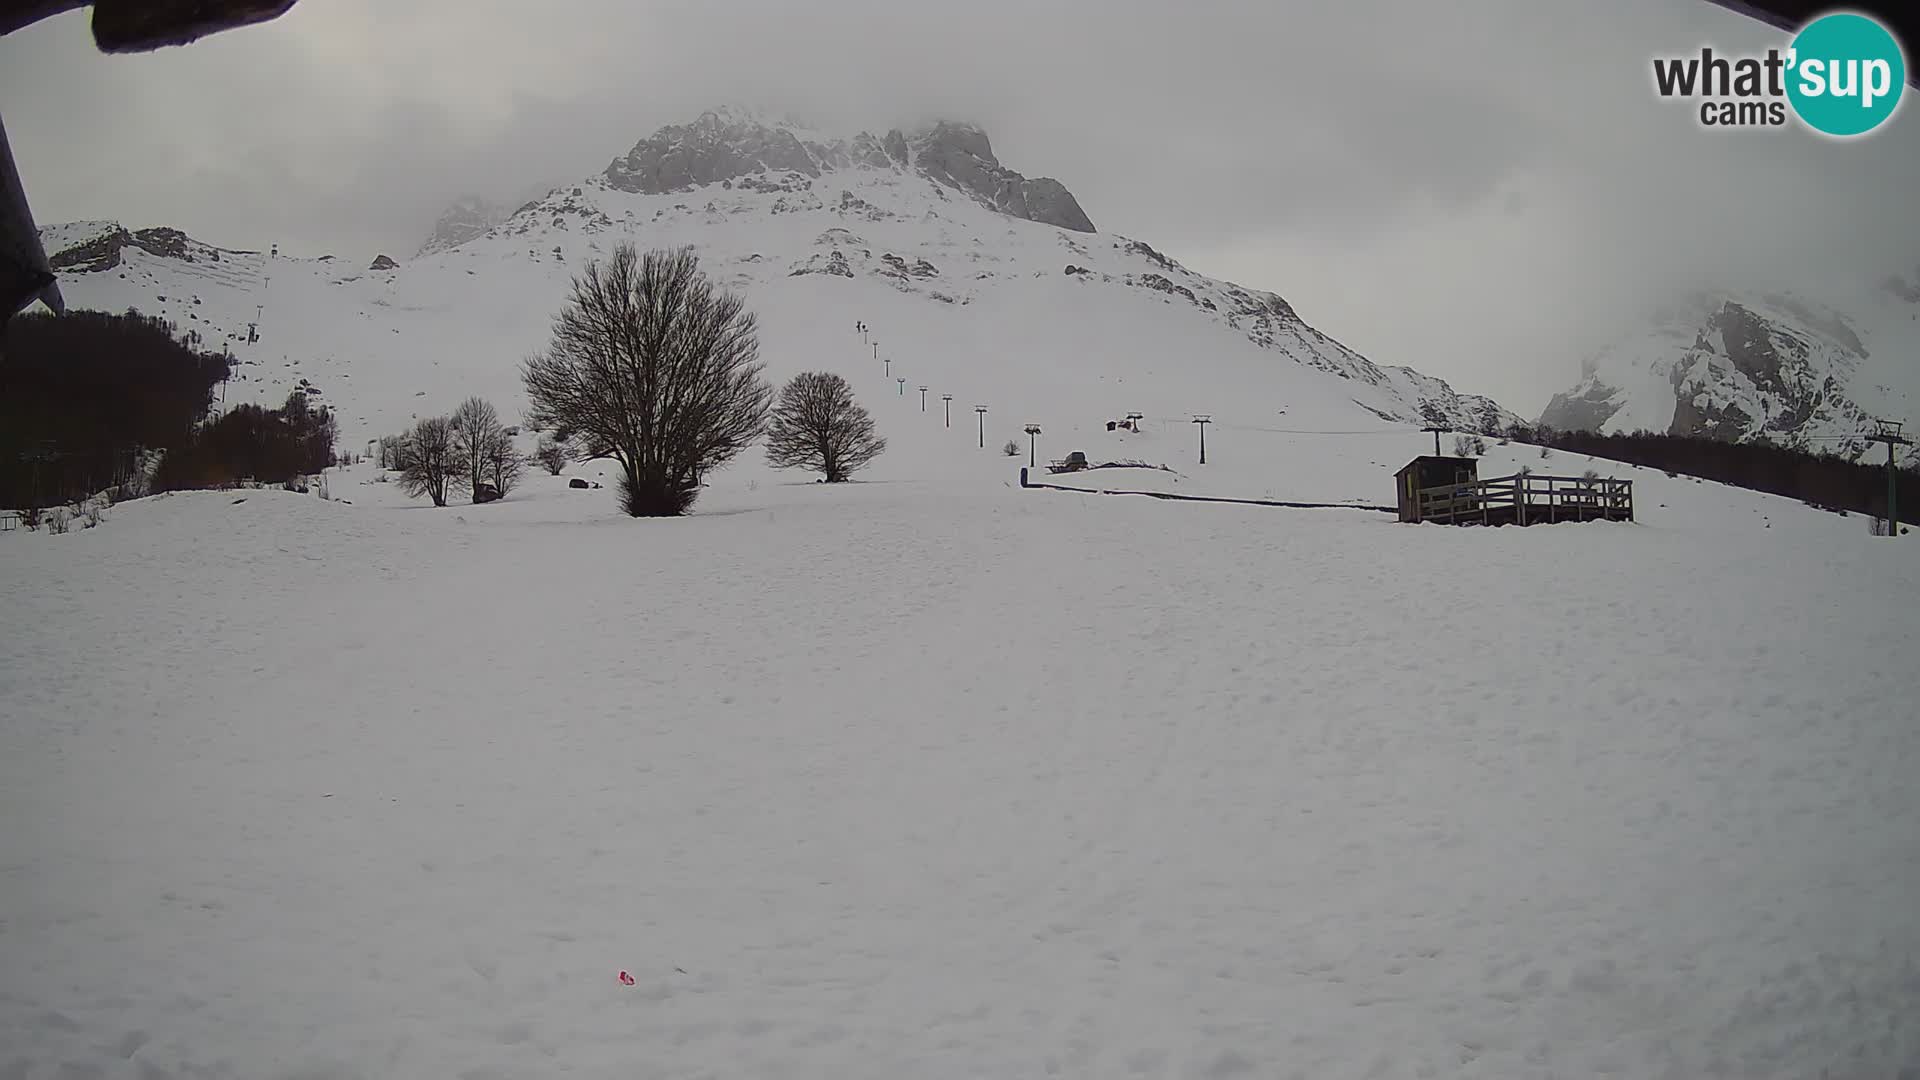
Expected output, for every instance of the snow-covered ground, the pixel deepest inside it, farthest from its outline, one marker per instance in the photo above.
(931, 776)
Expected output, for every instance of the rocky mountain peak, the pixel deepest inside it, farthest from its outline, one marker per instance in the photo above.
(732, 143)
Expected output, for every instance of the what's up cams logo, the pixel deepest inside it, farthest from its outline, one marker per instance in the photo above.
(1842, 75)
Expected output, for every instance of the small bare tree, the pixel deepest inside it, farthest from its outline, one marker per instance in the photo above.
(476, 427)
(504, 465)
(433, 463)
(653, 366)
(393, 452)
(818, 426)
(552, 456)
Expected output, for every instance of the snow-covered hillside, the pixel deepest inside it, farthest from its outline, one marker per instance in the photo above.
(1743, 366)
(1043, 323)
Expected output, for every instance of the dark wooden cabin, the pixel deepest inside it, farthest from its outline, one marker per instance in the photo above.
(1426, 472)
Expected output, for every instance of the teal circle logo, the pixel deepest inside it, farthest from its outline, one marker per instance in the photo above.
(1845, 74)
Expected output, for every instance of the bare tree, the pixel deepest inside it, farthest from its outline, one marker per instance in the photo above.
(503, 464)
(476, 427)
(817, 425)
(652, 366)
(433, 464)
(551, 455)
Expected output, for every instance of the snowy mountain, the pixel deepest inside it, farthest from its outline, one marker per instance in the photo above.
(971, 275)
(1744, 366)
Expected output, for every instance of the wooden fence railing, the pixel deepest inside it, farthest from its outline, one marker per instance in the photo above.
(1528, 499)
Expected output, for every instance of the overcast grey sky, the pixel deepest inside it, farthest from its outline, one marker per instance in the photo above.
(1482, 189)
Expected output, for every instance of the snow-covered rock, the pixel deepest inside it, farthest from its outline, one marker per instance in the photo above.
(469, 216)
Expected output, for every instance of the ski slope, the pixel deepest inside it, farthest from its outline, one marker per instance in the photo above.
(932, 776)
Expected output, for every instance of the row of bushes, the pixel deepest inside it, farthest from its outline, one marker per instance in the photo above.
(249, 442)
(469, 450)
(58, 519)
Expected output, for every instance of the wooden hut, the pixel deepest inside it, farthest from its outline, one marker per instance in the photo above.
(1430, 471)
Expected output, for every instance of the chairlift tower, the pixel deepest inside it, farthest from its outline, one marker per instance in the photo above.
(1889, 432)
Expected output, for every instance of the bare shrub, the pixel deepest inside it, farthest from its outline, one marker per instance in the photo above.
(551, 455)
(433, 464)
(501, 463)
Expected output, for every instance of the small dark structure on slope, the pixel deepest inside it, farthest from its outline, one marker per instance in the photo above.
(1448, 491)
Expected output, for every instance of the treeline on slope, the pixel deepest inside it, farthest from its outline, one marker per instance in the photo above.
(250, 442)
(89, 399)
(1824, 480)
(83, 395)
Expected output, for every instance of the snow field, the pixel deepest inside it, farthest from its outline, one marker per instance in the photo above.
(887, 779)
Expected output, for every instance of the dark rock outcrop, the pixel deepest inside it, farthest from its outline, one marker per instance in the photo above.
(1585, 408)
(720, 145)
(960, 155)
(381, 262)
(733, 147)
(832, 262)
(103, 252)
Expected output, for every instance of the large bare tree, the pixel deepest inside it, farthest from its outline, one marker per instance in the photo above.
(654, 367)
(817, 425)
(476, 426)
(433, 464)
